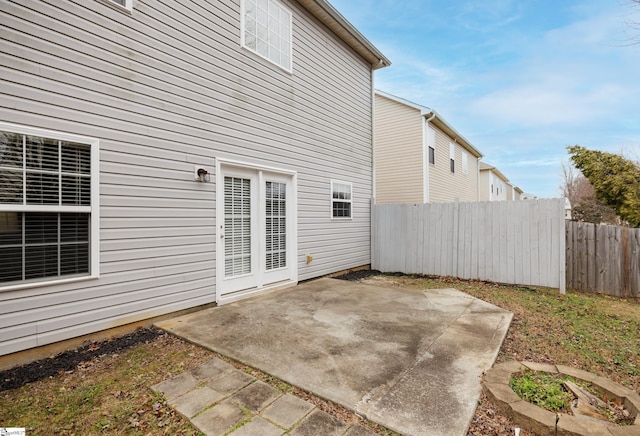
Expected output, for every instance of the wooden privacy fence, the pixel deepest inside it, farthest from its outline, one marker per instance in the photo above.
(602, 258)
(517, 242)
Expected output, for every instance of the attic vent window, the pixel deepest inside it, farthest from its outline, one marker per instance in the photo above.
(266, 30)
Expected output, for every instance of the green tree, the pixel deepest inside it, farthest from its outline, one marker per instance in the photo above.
(615, 178)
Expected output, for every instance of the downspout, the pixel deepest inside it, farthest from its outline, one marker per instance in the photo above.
(478, 178)
(372, 263)
(425, 154)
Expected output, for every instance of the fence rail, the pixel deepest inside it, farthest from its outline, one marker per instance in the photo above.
(519, 242)
(604, 259)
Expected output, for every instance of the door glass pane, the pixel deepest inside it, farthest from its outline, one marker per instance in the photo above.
(276, 228)
(237, 220)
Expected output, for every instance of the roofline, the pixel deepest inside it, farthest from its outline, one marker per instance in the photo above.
(334, 20)
(488, 167)
(438, 120)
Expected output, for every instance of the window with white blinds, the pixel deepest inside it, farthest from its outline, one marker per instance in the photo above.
(266, 30)
(276, 225)
(237, 222)
(46, 206)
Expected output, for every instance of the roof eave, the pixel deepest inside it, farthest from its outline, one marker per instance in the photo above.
(442, 124)
(331, 18)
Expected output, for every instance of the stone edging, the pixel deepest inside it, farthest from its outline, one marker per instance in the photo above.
(540, 421)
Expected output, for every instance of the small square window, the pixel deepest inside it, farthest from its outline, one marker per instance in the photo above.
(341, 199)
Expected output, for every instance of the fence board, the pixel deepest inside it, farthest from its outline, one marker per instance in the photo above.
(604, 259)
(520, 242)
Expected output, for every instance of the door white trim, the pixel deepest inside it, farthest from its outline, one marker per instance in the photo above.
(264, 280)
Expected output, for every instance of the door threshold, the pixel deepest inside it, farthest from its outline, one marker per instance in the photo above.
(253, 292)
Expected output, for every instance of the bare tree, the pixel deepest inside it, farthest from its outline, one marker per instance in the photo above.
(634, 25)
(584, 203)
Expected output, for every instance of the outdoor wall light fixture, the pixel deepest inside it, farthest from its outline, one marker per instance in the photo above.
(201, 174)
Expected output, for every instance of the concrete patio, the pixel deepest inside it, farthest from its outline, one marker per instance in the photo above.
(410, 360)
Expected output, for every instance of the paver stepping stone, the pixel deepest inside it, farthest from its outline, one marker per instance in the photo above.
(230, 382)
(256, 396)
(287, 410)
(194, 401)
(258, 427)
(320, 423)
(218, 420)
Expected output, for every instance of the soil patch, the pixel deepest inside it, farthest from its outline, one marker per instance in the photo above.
(19, 376)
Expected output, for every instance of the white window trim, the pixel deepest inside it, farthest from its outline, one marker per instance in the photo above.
(335, 182)
(465, 162)
(93, 209)
(127, 7)
(244, 46)
(452, 156)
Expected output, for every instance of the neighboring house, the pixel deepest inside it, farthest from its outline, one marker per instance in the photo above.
(157, 156)
(513, 192)
(494, 186)
(419, 157)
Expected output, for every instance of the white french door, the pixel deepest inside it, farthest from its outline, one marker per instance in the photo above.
(256, 231)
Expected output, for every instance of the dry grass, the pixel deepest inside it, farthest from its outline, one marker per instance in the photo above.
(110, 393)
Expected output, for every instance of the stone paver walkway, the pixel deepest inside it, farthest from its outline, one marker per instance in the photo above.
(220, 400)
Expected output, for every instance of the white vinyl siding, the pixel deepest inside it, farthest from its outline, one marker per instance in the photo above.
(266, 30)
(166, 88)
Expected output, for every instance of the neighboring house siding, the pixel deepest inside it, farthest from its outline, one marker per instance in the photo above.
(445, 186)
(166, 88)
(485, 186)
(493, 186)
(399, 155)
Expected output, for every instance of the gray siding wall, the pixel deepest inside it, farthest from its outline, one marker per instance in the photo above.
(163, 88)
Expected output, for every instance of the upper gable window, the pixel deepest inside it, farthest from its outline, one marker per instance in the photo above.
(266, 30)
(127, 4)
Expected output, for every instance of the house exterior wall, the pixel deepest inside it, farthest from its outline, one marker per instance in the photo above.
(485, 185)
(399, 152)
(445, 186)
(493, 187)
(164, 88)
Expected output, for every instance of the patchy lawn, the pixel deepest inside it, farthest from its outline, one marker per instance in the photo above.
(106, 393)
(106, 390)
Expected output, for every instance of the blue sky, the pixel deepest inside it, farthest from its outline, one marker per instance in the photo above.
(520, 79)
